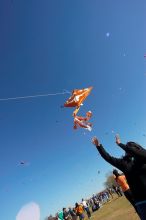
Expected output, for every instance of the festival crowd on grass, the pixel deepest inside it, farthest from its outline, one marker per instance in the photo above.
(131, 182)
(86, 207)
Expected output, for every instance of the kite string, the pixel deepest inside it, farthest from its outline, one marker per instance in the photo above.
(34, 96)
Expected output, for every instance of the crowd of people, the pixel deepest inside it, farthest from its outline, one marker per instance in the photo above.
(131, 182)
(88, 206)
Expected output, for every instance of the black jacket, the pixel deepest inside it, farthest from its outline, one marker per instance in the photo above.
(134, 169)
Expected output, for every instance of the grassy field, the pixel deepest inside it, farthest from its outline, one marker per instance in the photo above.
(117, 209)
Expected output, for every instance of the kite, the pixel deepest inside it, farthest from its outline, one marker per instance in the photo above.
(83, 122)
(145, 56)
(23, 163)
(76, 100)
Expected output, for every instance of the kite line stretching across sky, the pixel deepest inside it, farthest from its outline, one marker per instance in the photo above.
(34, 96)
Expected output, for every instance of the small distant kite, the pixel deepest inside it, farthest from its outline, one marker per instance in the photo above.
(76, 100)
(23, 163)
(144, 55)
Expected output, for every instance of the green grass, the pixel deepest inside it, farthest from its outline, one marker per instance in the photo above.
(116, 209)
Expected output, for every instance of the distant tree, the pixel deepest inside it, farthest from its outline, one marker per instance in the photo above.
(110, 181)
(50, 217)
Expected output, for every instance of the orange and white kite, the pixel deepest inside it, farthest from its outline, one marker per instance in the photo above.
(76, 100)
(83, 122)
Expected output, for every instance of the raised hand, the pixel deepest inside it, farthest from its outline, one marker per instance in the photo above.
(95, 141)
(118, 141)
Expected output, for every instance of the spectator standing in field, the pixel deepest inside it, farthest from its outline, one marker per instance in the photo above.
(66, 215)
(60, 215)
(110, 192)
(86, 207)
(79, 211)
(117, 190)
(122, 182)
(73, 214)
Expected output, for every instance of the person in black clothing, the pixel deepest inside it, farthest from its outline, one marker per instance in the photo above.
(110, 192)
(133, 165)
(118, 191)
(73, 214)
(66, 215)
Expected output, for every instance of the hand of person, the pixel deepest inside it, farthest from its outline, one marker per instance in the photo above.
(95, 141)
(118, 141)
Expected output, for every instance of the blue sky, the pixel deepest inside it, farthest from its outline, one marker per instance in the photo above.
(51, 45)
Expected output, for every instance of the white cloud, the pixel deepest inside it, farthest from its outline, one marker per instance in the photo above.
(30, 211)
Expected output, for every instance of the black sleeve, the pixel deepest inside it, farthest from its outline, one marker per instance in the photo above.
(118, 163)
(135, 150)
